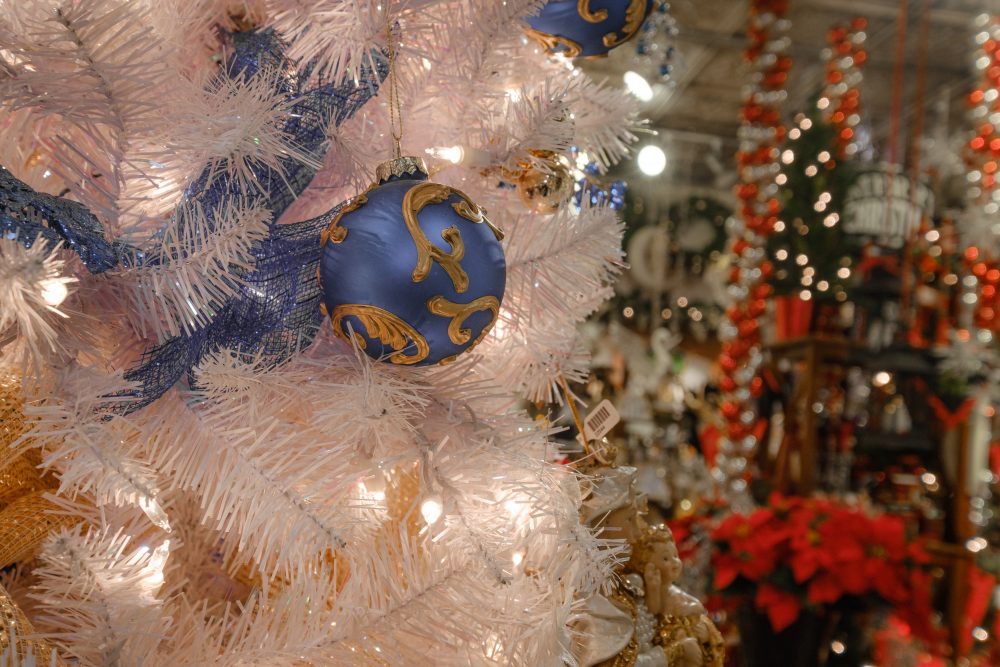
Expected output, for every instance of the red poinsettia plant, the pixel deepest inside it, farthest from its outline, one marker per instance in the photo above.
(812, 553)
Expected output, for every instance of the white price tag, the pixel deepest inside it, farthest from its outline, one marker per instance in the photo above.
(600, 421)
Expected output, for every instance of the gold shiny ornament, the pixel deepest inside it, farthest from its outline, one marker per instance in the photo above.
(545, 184)
(16, 629)
(682, 621)
(24, 525)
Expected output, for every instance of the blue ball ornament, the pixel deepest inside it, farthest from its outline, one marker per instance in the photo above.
(587, 28)
(412, 270)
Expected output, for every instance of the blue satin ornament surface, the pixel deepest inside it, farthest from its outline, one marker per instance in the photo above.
(374, 266)
(562, 20)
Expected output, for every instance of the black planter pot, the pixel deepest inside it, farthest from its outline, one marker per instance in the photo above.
(796, 646)
(807, 642)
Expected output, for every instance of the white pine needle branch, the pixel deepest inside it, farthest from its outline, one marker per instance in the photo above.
(32, 286)
(195, 268)
(97, 66)
(236, 125)
(97, 590)
(605, 120)
(562, 270)
(95, 453)
(337, 36)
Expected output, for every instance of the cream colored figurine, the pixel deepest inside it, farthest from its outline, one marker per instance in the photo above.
(647, 621)
(684, 629)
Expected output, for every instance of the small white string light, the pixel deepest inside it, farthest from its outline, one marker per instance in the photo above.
(431, 509)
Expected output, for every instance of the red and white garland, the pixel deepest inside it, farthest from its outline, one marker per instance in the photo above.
(980, 240)
(761, 134)
(984, 147)
(841, 99)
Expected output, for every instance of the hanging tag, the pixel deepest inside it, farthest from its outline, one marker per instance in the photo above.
(600, 421)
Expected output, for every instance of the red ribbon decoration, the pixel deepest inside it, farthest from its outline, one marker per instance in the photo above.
(947, 417)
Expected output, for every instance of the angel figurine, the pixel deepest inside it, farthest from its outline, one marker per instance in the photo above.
(646, 621)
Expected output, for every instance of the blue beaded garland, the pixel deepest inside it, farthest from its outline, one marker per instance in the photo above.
(587, 27)
(412, 269)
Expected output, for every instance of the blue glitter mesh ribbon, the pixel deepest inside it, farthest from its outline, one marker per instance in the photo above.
(276, 310)
(307, 122)
(275, 315)
(26, 214)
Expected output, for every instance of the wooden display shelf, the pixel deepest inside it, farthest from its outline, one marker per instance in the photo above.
(814, 351)
(813, 356)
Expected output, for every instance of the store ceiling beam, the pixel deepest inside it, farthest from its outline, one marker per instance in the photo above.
(889, 9)
(803, 52)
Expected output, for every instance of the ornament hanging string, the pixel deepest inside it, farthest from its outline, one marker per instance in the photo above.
(571, 401)
(395, 115)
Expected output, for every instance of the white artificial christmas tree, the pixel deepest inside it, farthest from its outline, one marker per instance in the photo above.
(313, 506)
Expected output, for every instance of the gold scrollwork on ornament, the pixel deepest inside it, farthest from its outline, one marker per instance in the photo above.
(634, 16)
(473, 213)
(384, 326)
(552, 42)
(459, 312)
(583, 9)
(425, 194)
(334, 232)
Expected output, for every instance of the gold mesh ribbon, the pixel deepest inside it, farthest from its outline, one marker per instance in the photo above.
(25, 523)
(18, 467)
(13, 423)
(20, 477)
(16, 626)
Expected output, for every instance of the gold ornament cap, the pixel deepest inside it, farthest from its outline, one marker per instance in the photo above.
(406, 165)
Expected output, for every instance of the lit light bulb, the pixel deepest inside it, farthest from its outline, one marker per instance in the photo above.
(452, 154)
(882, 378)
(431, 509)
(652, 160)
(638, 86)
(54, 291)
(517, 557)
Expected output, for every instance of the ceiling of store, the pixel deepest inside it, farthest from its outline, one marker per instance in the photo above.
(696, 115)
